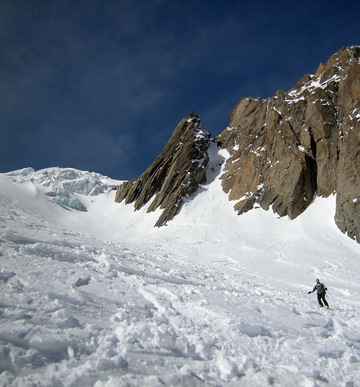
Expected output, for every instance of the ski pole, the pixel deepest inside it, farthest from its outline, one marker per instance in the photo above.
(332, 297)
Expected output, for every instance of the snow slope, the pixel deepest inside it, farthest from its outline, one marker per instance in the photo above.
(101, 298)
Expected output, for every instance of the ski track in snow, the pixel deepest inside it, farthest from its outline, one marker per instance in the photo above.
(76, 310)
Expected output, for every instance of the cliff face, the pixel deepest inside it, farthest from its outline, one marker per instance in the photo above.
(283, 150)
(174, 175)
(287, 148)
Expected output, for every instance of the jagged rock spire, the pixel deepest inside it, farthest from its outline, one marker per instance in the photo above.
(175, 174)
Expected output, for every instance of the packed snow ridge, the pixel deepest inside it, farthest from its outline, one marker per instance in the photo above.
(101, 298)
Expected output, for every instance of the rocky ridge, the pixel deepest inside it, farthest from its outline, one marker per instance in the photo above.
(286, 149)
(174, 175)
(283, 151)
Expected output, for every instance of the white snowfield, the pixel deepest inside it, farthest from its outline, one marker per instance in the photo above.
(101, 298)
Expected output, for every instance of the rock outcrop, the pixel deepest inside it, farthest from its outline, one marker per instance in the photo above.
(174, 175)
(286, 149)
(283, 151)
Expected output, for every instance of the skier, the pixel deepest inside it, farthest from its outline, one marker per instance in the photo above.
(321, 292)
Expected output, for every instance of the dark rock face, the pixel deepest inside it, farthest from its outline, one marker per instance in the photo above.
(174, 175)
(285, 149)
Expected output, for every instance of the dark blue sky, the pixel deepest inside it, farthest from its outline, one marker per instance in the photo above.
(101, 85)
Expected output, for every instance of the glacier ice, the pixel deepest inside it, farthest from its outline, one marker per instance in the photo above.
(64, 186)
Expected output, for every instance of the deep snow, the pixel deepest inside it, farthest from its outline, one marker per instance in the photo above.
(100, 297)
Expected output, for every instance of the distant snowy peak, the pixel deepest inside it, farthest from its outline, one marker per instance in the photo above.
(64, 186)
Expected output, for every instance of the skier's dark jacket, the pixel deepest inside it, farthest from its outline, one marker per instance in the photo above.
(320, 288)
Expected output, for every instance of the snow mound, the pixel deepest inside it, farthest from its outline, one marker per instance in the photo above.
(64, 185)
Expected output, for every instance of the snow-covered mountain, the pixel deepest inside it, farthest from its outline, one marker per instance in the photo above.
(102, 298)
(64, 185)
